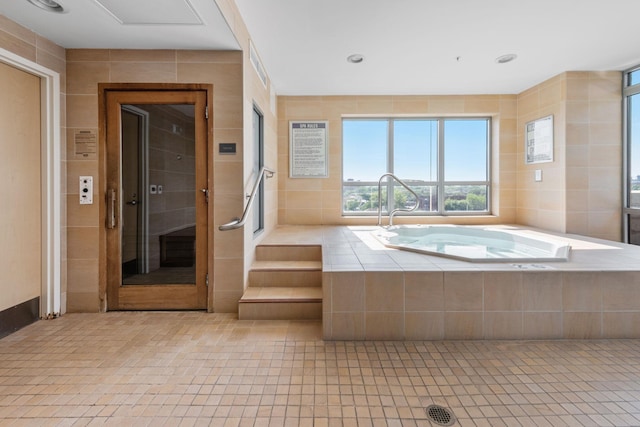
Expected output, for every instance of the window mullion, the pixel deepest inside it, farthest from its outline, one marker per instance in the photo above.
(390, 169)
(441, 166)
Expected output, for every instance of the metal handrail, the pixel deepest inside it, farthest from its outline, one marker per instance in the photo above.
(393, 212)
(239, 222)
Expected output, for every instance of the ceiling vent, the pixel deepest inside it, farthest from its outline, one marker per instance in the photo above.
(151, 12)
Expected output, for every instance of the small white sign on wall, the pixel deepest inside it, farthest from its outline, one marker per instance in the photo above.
(308, 149)
(539, 141)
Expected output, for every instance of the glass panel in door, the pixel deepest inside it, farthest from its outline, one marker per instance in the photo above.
(158, 200)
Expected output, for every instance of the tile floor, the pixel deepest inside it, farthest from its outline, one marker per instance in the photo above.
(193, 368)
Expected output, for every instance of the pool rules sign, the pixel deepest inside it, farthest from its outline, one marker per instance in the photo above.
(308, 149)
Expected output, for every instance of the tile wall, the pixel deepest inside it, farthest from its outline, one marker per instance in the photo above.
(581, 189)
(237, 90)
(87, 68)
(586, 107)
(462, 305)
(319, 201)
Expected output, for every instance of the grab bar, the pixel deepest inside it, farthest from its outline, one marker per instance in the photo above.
(239, 222)
(393, 212)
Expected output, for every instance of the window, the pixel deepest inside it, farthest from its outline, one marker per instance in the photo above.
(258, 163)
(444, 160)
(631, 93)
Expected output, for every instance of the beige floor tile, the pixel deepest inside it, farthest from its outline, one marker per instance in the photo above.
(194, 368)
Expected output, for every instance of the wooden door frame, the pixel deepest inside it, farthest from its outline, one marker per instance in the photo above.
(103, 89)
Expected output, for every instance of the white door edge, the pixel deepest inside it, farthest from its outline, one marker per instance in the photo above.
(50, 299)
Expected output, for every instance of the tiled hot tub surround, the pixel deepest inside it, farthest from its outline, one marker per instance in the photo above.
(371, 292)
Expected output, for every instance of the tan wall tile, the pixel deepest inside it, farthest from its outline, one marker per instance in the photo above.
(81, 242)
(348, 291)
(583, 325)
(81, 215)
(87, 55)
(384, 291)
(83, 302)
(581, 292)
(17, 30)
(234, 57)
(303, 199)
(384, 325)
(83, 77)
(542, 291)
(133, 55)
(620, 290)
(621, 325)
(542, 325)
(18, 46)
(229, 75)
(302, 216)
(424, 325)
(463, 291)
(424, 291)
(228, 276)
(327, 295)
(605, 225)
(82, 275)
(503, 325)
(226, 301)
(463, 325)
(503, 291)
(348, 326)
(143, 72)
(577, 88)
(82, 111)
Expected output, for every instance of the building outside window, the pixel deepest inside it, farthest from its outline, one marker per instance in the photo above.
(444, 160)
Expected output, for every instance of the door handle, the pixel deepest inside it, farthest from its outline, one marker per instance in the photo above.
(111, 208)
(205, 191)
(132, 203)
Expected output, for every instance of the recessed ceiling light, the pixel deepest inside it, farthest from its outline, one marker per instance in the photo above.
(356, 58)
(48, 5)
(506, 58)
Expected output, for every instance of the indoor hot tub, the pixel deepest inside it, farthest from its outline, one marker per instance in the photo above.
(475, 243)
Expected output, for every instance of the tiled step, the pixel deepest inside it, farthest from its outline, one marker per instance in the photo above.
(285, 283)
(289, 252)
(281, 303)
(285, 273)
(287, 266)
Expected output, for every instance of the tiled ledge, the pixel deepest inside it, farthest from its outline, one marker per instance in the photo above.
(371, 292)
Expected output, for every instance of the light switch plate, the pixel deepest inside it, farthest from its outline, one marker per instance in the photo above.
(538, 175)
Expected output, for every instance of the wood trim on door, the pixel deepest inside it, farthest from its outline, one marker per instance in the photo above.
(154, 296)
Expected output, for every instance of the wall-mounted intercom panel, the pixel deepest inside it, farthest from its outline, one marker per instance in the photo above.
(86, 190)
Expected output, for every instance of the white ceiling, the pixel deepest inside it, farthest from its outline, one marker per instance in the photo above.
(410, 46)
(157, 24)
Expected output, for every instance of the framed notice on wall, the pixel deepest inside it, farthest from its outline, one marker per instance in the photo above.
(539, 141)
(308, 149)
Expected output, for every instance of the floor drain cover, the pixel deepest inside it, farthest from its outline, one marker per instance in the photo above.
(440, 415)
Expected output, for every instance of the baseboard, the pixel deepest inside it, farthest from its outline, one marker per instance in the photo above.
(19, 316)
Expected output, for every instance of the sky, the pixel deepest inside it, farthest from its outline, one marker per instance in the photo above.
(415, 149)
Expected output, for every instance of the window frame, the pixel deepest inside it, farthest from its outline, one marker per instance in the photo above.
(628, 91)
(439, 183)
(258, 163)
